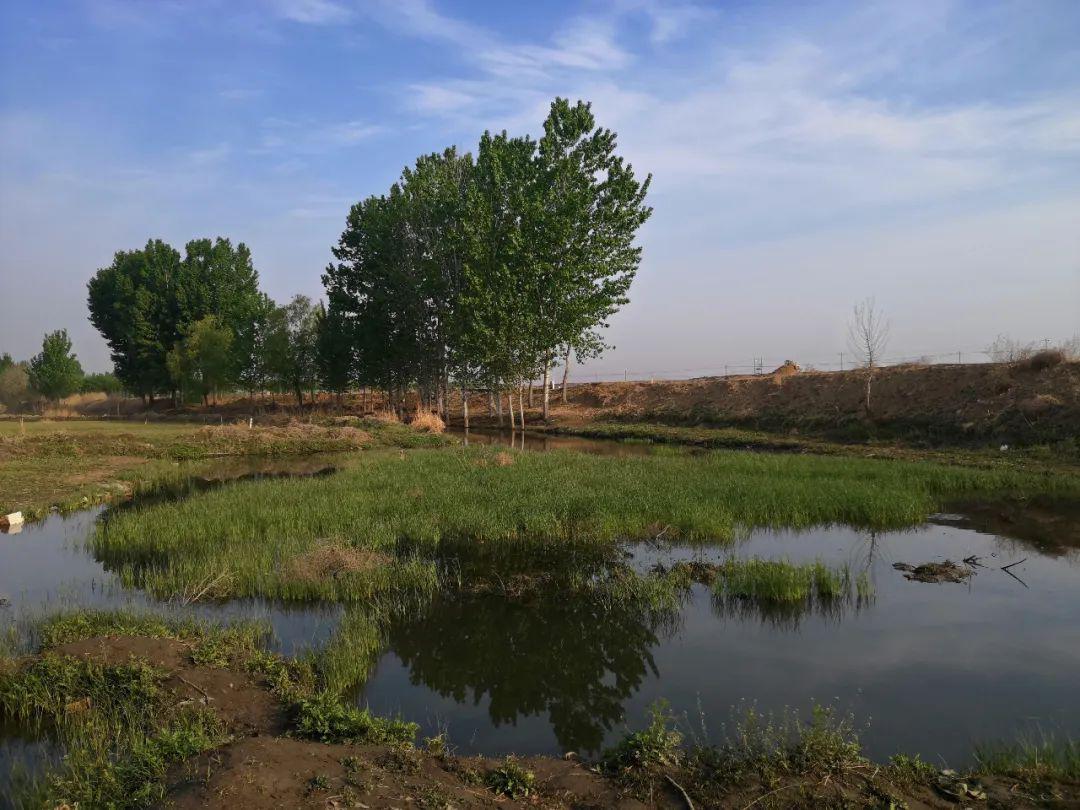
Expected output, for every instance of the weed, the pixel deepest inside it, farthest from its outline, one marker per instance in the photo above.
(319, 783)
(511, 779)
(325, 717)
(656, 745)
(1042, 758)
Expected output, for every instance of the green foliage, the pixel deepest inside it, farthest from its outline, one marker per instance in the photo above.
(201, 361)
(117, 725)
(511, 779)
(657, 745)
(483, 271)
(105, 383)
(14, 384)
(55, 372)
(324, 716)
(291, 346)
(148, 300)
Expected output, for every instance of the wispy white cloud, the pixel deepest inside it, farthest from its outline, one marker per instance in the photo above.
(312, 12)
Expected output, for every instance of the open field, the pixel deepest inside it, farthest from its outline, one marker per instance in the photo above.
(76, 463)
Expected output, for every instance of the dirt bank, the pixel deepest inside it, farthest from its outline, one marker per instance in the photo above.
(1000, 401)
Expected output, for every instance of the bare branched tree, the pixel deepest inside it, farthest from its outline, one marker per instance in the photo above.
(868, 334)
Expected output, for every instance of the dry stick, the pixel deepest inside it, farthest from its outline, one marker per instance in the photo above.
(195, 686)
(685, 795)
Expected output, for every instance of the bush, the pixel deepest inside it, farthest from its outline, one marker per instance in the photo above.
(1048, 358)
(104, 383)
(427, 422)
(511, 780)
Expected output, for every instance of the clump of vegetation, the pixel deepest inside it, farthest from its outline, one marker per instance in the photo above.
(427, 422)
(657, 745)
(1045, 758)
(784, 582)
(324, 716)
(511, 779)
(117, 725)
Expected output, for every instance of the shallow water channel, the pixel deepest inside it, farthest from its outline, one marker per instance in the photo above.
(923, 667)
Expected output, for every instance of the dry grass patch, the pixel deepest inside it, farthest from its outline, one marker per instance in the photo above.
(329, 560)
(427, 422)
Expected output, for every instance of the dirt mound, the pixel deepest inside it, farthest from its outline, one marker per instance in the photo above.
(327, 561)
(267, 773)
(241, 702)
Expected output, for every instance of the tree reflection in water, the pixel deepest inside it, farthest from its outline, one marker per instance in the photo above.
(576, 658)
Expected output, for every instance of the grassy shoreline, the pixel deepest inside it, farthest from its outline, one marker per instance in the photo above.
(136, 734)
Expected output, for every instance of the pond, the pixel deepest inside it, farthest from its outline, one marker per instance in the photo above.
(929, 668)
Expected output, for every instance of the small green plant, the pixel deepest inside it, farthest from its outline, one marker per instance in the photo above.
(511, 779)
(320, 782)
(656, 745)
(1034, 758)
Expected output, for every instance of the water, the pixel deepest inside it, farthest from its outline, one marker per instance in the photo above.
(926, 668)
(933, 668)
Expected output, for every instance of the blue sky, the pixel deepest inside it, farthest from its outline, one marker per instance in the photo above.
(805, 155)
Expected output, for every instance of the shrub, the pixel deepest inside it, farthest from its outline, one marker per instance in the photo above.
(511, 780)
(1048, 358)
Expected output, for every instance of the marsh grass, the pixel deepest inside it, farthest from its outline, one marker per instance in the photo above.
(117, 728)
(1033, 758)
(410, 505)
(781, 581)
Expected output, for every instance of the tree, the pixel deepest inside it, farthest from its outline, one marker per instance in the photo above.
(14, 383)
(200, 361)
(55, 372)
(147, 300)
(334, 352)
(588, 210)
(292, 346)
(868, 335)
(134, 305)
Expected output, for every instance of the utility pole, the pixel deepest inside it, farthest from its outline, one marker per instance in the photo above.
(841, 361)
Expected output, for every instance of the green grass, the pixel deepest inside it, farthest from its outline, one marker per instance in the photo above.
(118, 729)
(240, 540)
(1061, 455)
(74, 464)
(1043, 758)
(781, 581)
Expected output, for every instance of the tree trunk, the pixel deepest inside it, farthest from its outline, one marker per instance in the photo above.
(869, 382)
(510, 405)
(547, 388)
(565, 374)
(521, 406)
(497, 397)
(531, 394)
(299, 396)
(465, 407)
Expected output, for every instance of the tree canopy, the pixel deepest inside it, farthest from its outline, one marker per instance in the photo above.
(55, 372)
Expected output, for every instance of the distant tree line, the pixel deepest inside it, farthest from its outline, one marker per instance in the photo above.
(476, 273)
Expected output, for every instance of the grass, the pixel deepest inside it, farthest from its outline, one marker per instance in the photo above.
(120, 730)
(74, 464)
(116, 724)
(244, 539)
(781, 581)
(1038, 759)
(1061, 455)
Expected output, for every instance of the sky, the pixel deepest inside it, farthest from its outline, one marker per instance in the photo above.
(805, 156)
